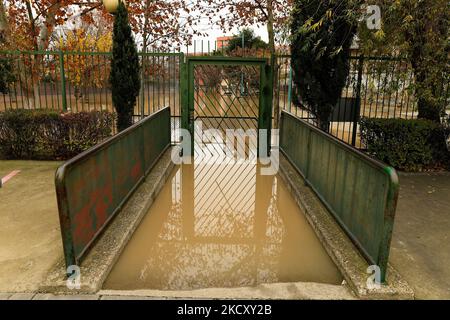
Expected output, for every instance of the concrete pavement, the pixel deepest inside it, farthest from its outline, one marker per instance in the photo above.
(420, 248)
(30, 238)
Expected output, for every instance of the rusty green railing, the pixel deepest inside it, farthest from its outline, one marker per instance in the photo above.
(92, 187)
(360, 192)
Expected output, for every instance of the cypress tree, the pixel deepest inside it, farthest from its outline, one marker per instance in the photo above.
(322, 33)
(6, 75)
(124, 76)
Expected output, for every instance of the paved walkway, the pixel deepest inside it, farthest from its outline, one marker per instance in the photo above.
(420, 248)
(30, 238)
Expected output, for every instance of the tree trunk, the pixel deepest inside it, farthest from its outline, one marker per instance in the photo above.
(142, 92)
(273, 61)
(36, 96)
(47, 26)
(424, 61)
(41, 44)
(324, 124)
(270, 28)
(4, 26)
(427, 108)
(144, 50)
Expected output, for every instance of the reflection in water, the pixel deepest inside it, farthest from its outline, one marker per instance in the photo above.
(221, 226)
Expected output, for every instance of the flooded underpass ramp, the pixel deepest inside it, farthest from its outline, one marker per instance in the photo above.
(222, 225)
(136, 222)
(160, 246)
(178, 237)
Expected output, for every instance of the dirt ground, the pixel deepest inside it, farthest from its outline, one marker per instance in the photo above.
(30, 240)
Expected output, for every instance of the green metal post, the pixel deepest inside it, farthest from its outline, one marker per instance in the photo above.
(356, 108)
(191, 102)
(142, 89)
(184, 94)
(242, 72)
(63, 81)
(290, 88)
(391, 205)
(266, 97)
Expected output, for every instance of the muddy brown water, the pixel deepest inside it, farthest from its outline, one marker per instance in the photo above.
(222, 226)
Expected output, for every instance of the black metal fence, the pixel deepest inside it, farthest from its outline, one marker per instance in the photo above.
(377, 87)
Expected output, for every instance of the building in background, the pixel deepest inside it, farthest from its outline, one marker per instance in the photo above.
(222, 42)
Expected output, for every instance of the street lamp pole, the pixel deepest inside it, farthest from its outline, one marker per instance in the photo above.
(242, 72)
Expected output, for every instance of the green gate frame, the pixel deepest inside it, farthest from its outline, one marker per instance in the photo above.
(265, 92)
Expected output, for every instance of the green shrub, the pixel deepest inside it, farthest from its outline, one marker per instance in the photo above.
(49, 135)
(410, 145)
(6, 75)
(86, 129)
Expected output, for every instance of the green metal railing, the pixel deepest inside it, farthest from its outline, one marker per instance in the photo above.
(92, 187)
(360, 192)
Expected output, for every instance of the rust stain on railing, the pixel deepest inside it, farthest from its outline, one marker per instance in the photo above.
(92, 187)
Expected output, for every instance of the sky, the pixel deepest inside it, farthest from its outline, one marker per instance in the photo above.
(213, 31)
(205, 26)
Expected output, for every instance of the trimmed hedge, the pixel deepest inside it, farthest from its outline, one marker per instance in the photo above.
(49, 135)
(409, 145)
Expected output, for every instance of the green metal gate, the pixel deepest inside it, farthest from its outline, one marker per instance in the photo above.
(223, 93)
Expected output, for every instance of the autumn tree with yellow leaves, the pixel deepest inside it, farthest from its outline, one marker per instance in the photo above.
(83, 70)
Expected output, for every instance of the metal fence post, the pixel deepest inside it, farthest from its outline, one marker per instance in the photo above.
(274, 86)
(184, 98)
(290, 88)
(63, 81)
(266, 103)
(142, 89)
(308, 157)
(357, 107)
